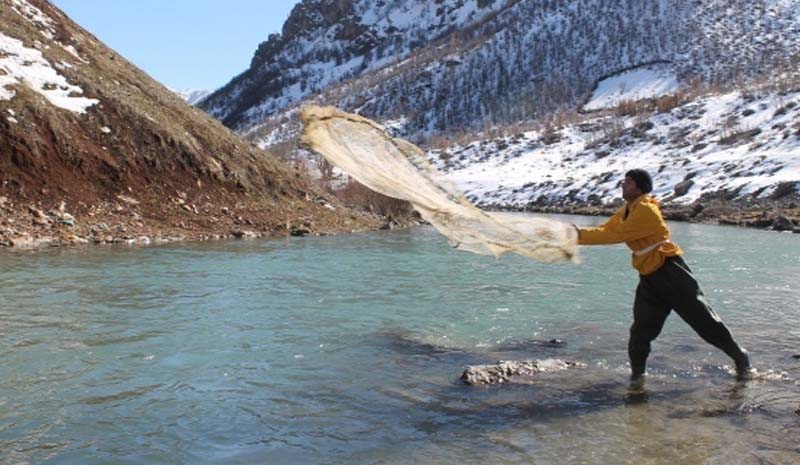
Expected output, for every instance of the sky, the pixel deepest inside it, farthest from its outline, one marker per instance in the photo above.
(184, 44)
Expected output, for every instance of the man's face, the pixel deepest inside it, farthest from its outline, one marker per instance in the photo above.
(630, 191)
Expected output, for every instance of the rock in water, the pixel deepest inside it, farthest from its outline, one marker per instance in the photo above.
(782, 223)
(502, 371)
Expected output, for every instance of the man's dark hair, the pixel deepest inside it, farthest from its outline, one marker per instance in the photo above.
(642, 179)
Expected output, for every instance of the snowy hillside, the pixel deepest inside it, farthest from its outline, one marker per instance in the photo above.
(734, 145)
(448, 66)
(325, 42)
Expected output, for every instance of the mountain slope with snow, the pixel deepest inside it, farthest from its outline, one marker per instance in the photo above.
(462, 65)
(742, 146)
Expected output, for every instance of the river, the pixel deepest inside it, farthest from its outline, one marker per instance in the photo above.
(348, 349)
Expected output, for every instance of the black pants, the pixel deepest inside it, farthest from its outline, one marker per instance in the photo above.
(672, 287)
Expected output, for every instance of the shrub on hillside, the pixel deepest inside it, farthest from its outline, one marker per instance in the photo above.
(667, 103)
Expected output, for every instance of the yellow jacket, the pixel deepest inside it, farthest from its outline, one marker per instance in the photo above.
(642, 228)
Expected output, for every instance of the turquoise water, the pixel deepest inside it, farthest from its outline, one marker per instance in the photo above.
(348, 349)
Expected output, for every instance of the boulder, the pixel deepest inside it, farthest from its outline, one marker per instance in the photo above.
(782, 223)
(683, 187)
(243, 234)
(503, 371)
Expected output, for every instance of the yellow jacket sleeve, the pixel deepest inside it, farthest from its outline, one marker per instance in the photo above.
(642, 221)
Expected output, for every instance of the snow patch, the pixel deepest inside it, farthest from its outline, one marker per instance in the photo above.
(36, 16)
(71, 50)
(25, 65)
(637, 84)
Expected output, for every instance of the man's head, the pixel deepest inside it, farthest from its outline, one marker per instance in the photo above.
(636, 183)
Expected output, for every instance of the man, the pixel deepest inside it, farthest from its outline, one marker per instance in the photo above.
(665, 281)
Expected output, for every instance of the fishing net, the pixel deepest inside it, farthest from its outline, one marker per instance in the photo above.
(398, 169)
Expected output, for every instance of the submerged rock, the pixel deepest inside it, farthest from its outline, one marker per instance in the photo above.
(502, 371)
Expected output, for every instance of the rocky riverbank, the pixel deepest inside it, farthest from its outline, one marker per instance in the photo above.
(179, 218)
(771, 215)
(188, 218)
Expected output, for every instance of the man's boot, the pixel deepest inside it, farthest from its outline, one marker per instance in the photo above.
(743, 368)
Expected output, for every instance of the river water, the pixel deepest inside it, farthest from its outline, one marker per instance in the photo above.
(348, 350)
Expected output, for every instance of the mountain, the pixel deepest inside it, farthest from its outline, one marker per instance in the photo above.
(91, 148)
(193, 96)
(447, 66)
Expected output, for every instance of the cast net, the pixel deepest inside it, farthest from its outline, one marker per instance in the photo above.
(396, 168)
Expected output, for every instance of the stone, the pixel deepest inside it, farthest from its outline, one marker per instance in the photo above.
(503, 371)
(37, 213)
(782, 223)
(683, 187)
(242, 234)
(299, 231)
(697, 209)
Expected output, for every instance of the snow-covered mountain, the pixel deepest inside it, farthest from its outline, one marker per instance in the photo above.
(444, 66)
(192, 96)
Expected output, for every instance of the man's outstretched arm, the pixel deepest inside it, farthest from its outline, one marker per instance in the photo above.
(641, 223)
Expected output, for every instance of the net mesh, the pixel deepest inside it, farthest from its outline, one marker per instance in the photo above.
(399, 169)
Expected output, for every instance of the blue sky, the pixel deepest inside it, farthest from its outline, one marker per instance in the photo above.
(184, 44)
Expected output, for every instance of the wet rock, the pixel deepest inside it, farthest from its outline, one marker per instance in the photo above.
(389, 225)
(243, 234)
(782, 223)
(74, 240)
(796, 230)
(299, 232)
(28, 242)
(503, 371)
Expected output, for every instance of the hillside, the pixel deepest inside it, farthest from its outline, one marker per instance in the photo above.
(94, 150)
(731, 157)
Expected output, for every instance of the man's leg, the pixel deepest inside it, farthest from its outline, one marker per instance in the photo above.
(649, 314)
(689, 302)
